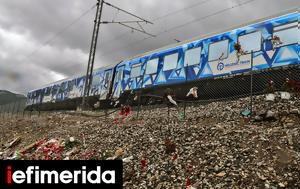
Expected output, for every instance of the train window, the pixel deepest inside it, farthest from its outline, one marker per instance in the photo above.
(151, 66)
(62, 87)
(135, 70)
(218, 50)
(96, 80)
(170, 62)
(286, 34)
(192, 56)
(250, 42)
(37, 93)
(47, 91)
(120, 74)
(106, 77)
(71, 85)
(54, 89)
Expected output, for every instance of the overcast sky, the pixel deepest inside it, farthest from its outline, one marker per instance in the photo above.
(32, 55)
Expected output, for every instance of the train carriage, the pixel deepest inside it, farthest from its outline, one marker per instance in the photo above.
(219, 65)
(206, 62)
(67, 94)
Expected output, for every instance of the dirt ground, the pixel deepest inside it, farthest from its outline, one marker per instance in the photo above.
(214, 147)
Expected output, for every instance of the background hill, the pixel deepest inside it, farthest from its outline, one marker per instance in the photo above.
(8, 97)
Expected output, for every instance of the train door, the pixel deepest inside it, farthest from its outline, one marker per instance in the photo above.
(117, 88)
(96, 84)
(105, 84)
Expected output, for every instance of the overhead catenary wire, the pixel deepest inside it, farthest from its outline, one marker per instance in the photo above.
(97, 22)
(160, 18)
(64, 29)
(120, 9)
(114, 51)
(125, 23)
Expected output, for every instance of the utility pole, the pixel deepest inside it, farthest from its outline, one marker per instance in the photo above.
(186, 79)
(89, 72)
(97, 22)
(251, 87)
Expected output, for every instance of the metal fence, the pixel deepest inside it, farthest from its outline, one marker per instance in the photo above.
(209, 90)
(280, 79)
(13, 109)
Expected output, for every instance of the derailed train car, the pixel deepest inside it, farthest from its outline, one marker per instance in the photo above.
(67, 94)
(219, 65)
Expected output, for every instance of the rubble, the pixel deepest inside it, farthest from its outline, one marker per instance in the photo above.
(221, 174)
(13, 143)
(215, 146)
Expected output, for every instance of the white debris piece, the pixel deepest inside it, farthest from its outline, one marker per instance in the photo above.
(193, 91)
(116, 103)
(97, 105)
(128, 159)
(285, 95)
(171, 100)
(270, 97)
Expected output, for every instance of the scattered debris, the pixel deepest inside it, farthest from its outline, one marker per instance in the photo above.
(171, 100)
(128, 159)
(170, 146)
(193, 91)
(213, 147)
(15, 142)
(221, 174)
(119, 153)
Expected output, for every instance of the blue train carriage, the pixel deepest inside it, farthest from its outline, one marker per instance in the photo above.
(34, 97)
(219, 64)
(100, 87)
(67, 93)
(42, 96)
(101, 82)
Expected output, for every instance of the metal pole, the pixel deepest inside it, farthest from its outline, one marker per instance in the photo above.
(139, 102)
(251, 87)
(18, 108)
(89, 73)
(13, 109)
(9, 109)
(1, 112)
(140, 96)
(6, 110)
(184, 105)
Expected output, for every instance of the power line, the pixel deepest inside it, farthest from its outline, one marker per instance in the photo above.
(97, 22)
(125, 23)
(161, 17)
(64, 29)
(105, 54)
(60, 32)
(129, 13)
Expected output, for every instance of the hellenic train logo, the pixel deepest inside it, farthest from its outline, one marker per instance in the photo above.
(220, 66)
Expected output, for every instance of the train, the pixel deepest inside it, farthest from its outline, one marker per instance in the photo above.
(220, 65)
